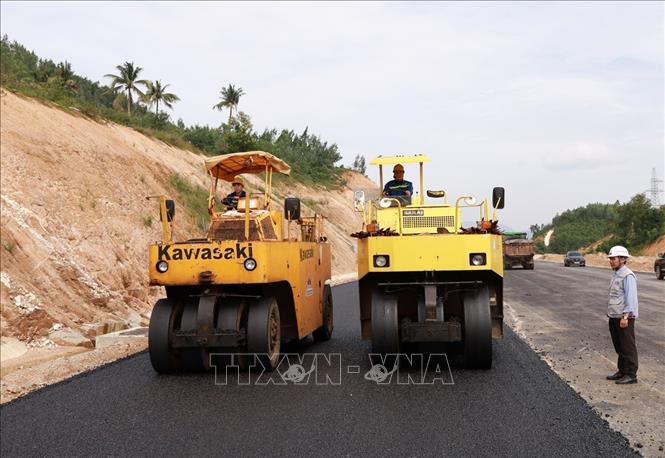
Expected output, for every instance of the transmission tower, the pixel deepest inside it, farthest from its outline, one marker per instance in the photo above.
(655, 190)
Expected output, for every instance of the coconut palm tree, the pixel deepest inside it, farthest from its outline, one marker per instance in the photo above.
(65, 72)
(230, 97)
(127, 81)
(156, 93)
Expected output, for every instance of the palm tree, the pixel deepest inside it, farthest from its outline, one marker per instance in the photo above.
(230, 97)
(127, 81)
(65, 72)
(156, 93)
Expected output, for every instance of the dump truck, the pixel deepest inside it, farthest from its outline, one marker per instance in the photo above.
(659, 266)
(425, 279)
(518, 250)
(259, 277)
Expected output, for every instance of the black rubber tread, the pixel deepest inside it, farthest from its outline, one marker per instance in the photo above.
(325, 331)
(229, 316)
(258, 331)
(163, 359)
(192, 358)
(477, 329)
(385, 324)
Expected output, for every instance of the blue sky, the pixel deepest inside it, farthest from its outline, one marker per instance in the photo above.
(561, 103)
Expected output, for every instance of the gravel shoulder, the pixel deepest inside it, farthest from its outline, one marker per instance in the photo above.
(560, 313)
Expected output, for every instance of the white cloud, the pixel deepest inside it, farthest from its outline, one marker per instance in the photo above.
(519, 94)
(581, 156)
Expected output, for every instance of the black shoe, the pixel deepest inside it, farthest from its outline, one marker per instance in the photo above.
(615, 376)
(626, 379)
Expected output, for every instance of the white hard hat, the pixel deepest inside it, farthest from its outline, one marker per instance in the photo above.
(618, 251)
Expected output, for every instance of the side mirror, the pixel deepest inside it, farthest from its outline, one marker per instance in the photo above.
(436, 194)
(292, 208)
(359, 200)
(498, 198)
(170, 210)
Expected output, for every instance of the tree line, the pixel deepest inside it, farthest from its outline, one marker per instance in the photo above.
(633, 224)
(129, 98)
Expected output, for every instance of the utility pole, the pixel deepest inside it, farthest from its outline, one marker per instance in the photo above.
(655, 190)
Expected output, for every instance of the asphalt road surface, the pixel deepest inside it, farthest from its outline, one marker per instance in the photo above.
(518, 408)
(579, 295)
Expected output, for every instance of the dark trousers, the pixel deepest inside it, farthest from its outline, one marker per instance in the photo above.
(624, 344)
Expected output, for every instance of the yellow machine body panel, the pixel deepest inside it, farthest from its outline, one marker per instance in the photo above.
(422, 276)
(304, 265)
(430, 252)
(419, 219)
(260, 275)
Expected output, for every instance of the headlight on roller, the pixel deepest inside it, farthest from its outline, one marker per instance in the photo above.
(477, 259)
(381, 260)
(250, 264)
(162, 266)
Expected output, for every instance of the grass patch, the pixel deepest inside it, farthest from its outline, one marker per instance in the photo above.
(9, 245)
(147, 221)
(195, 199)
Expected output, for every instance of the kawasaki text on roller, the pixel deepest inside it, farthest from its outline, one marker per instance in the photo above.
(168, 253)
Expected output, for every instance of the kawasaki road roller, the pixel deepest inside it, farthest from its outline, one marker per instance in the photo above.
(424, 280)
(259, 278)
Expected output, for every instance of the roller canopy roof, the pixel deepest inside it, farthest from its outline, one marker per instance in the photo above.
(227, 166)
(383, 160)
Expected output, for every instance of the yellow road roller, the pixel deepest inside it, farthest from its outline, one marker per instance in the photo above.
(259, 278)
(424, 280)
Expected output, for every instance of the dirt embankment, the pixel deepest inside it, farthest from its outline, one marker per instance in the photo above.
(75, 223)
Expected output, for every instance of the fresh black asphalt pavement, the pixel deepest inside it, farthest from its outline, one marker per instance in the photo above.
(518, 408)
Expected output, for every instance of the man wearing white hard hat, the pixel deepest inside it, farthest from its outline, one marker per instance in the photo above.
(622, 312)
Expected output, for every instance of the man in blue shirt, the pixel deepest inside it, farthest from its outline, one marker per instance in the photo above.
(398, 186)
(622, 311)
(231, 201)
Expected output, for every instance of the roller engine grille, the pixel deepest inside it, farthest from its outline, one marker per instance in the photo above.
(234, 229)
(413, 222)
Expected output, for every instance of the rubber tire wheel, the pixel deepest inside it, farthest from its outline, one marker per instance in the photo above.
(163, 359)
(385, 326)
(192, 358)
(264, 332)
(325, 331)
(228, 319)
(660, 274)
(477, 329)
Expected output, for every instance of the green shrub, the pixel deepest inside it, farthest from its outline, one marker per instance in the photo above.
(633, 225)
(195, 199)
(9, 245)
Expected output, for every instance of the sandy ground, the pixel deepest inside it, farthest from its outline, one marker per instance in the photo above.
(24, 375)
